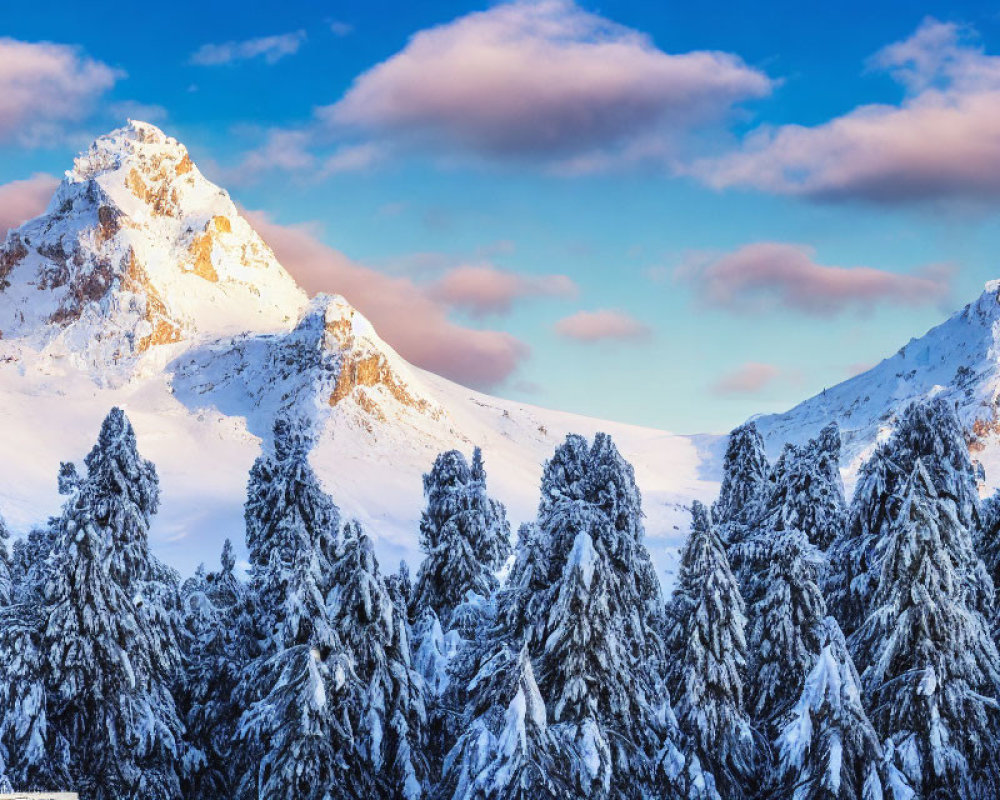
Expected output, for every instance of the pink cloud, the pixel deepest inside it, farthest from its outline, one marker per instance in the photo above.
(541, 79)
(406, 315)
(942, 140)
(601, 325)
(767, 275)
(482, 289)
(858, 368)
(270, 48)
(24, 200)
(44, 85)
(749, 378)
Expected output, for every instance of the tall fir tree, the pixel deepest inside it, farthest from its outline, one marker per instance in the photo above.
(745, 470)
(506, 751)
(708, 680)
(855, 559)
(599, 656)
(807, 492)
(110, 645)
(930, 670)
(827, 748)
(684, 598)
(215, 657)
(786, 628)
(464, 535)
(389, 726)
(299, 686)
(6, 566)
(927, 430)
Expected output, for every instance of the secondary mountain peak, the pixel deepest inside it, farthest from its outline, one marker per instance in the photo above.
(138, 249)
(958, 360)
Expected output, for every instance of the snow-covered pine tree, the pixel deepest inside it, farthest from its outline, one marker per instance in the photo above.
(506, 751)
(111, 652)
(26, 757)
(927, 430)
(855, 558)
(285, 503)
(807, 492)
(295, 732)
(6, 562)
(930, 670)
(300, 741)
(599, 655)
(464, 535)
(786, 628)
(521, 602)
(828, 749)
(989, 539)
(389, 726)
(744, 481)
(709, 695)
(684, 598)
(215, 658)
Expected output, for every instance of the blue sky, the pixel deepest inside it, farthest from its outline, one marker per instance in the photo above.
(671, 214)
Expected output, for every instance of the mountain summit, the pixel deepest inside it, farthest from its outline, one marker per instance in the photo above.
(142, 286)
(138, 249)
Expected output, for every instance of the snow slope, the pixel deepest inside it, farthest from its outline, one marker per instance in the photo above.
(142, 286)
(957, 359)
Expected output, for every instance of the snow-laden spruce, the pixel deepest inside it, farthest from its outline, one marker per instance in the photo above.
(930, 670)
(465, 537)
(744, 481)
(507, 751)
(296, 737)
(807, 492)
(827, 749)
(215, 654)
(786, 627)
(599, 655)
(563, 695)
(389, 724)
(928, 431)
(6, 564)
(107, 648)
(707, 682)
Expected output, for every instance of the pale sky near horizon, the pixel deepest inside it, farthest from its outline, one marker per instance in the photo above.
(675, 216)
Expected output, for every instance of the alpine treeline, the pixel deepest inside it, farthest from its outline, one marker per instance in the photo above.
(811, 649)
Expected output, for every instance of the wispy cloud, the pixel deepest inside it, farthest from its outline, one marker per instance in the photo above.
(537, 81)
(24, 200)
(941, 141)
(767, 275)
(409, 316)
(483, 289)
(43, 86)
(749, 378)
(270, 48)
(602, 325)
(540, 80)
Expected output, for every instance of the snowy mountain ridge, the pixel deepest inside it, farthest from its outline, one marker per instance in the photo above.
(958, 359)
(143, 286)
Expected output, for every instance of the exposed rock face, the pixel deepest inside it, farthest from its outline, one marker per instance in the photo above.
(136, 250)
(365, 369)
(332, 365)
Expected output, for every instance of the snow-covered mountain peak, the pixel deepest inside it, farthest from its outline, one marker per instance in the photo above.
(137, 249)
